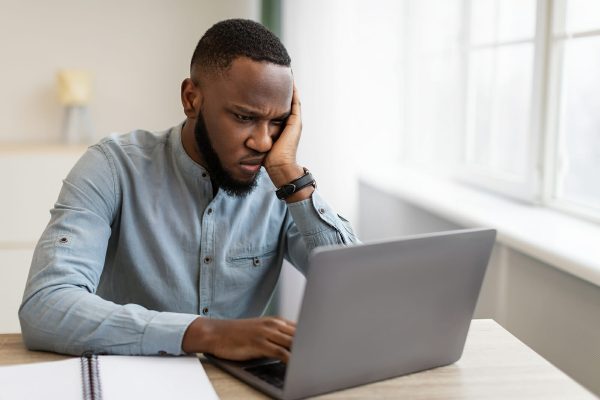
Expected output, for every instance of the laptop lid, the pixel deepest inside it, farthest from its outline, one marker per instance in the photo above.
(380, 310)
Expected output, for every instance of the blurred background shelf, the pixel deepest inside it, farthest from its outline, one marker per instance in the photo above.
(8, 149)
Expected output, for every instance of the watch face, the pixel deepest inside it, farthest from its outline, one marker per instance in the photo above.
(285, 191)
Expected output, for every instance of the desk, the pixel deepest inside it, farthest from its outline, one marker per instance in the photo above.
(495, 365)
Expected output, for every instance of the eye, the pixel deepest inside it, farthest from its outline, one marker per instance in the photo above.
(243, 118)
(278, 122)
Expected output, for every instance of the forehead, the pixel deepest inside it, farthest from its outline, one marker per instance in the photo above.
(260, 85)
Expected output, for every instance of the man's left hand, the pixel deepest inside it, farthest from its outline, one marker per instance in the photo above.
(281, 163)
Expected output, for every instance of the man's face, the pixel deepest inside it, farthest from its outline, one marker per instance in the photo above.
(241, 115)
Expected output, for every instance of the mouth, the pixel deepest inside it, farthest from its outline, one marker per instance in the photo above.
(251, 166)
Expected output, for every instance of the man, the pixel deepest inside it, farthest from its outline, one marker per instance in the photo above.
(172, 243)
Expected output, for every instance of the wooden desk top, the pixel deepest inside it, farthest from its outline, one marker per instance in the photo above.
(495, 365)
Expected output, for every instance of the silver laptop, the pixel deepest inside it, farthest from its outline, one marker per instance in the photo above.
(375, 311)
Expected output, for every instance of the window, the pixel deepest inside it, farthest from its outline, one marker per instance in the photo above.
(500, 65)
(575, 110)
(511, 89)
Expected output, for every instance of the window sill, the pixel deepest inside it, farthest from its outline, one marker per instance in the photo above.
(567, 243)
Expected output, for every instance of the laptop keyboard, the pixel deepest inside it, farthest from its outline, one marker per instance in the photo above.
(273, 373)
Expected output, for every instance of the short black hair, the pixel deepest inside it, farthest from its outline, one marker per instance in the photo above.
(233, 38)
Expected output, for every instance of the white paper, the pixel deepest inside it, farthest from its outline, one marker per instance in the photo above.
(121, 377)
(148, 378)
(48, 380)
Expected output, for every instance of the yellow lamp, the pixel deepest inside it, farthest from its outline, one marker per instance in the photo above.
(74, 87)
(74, 92)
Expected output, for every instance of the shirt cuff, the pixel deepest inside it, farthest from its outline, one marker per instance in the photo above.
(164, 333)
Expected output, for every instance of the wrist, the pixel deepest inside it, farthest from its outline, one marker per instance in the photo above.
(302, 194)
(199, 336)
(296, 186)
(284, 173)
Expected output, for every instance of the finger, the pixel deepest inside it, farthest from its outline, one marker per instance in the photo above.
(287, 321)
(288, 329)
(279, 321)
(296, 105)
(281, 339)
(284, 325)
(275, 351)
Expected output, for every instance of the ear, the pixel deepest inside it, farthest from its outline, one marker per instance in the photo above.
(191, 98)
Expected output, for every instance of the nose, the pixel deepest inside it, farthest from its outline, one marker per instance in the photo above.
(260, 139)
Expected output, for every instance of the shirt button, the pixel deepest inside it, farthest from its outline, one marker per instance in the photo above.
(256, 261)
(322, 210)
(209, 211)
(205, 310)
(204, 174)
(207, 260)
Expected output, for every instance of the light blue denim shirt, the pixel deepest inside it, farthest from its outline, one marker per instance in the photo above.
(138, 246)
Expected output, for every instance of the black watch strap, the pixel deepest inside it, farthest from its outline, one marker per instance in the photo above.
(290, 188)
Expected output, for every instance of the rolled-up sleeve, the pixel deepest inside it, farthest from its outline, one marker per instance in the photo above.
(315, 224)
(60, 311)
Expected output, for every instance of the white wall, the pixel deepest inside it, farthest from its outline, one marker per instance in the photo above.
(346, 57)
(137, 50)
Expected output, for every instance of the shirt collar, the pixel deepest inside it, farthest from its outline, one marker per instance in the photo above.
(184, 161)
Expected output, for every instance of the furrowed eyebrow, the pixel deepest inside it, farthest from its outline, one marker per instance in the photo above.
(284, 116)
(244, 110)
(253, 113)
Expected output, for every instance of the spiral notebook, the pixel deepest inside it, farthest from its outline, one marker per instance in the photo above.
(94, 377)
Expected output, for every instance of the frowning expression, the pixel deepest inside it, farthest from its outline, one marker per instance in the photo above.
(241, 114)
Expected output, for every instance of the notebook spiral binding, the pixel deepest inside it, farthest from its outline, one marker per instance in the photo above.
(90, 376)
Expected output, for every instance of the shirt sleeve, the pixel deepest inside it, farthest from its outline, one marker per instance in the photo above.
(60, 311)
(314, 224)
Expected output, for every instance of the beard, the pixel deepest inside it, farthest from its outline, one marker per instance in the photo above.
(221, 178)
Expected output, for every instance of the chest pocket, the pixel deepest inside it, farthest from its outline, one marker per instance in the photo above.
(252, 258)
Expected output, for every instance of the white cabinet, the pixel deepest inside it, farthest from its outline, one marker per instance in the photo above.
(30, 179)
(14, 266)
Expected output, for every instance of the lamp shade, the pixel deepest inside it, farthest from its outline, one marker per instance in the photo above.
(74, 86)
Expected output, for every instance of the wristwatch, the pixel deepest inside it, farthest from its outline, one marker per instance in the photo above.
(290, 188)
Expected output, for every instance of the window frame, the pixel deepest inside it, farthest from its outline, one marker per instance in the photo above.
(528, 190)
(551, 156)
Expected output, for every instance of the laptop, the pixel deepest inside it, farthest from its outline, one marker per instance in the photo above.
(376, 311)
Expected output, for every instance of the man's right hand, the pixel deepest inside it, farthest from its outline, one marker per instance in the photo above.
(241, 339)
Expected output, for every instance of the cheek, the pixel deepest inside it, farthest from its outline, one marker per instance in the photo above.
(228, 140)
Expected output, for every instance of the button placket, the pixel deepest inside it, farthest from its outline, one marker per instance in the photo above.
(207, 261)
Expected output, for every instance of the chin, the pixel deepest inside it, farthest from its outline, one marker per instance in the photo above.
(247, 179)
(245, 176)
(242, 177)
